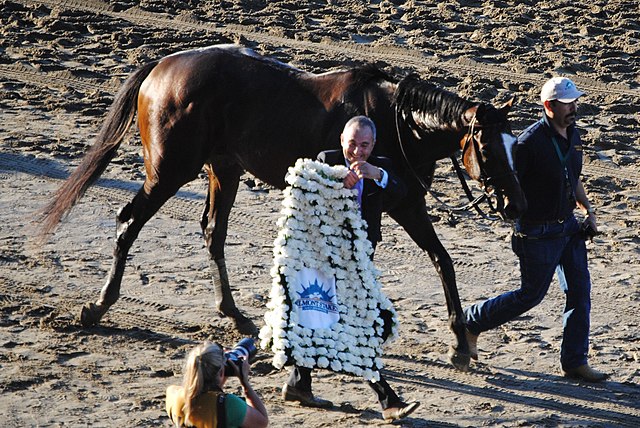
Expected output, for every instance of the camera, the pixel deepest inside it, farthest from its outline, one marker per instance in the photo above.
(244, 350)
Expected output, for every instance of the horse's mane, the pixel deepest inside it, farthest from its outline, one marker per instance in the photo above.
(417, 96)
(364, 84)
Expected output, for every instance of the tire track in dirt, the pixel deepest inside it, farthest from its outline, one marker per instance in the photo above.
(262, 229)
(517, 388)
(130, 313)
(61, 79)
(508, 388)
(601, 169)
(393, 265)
(131, 316)
(393, 54)
(394, 262)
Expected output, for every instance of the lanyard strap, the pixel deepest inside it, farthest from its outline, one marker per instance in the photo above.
(563, 158)
(563, 161)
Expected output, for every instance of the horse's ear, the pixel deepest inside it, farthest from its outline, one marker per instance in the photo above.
(506, 107)
(469, 114)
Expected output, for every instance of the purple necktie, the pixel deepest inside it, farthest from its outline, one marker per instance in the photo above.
(359, 185)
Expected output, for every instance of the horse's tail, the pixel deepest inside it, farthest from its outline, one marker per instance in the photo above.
(95, 161)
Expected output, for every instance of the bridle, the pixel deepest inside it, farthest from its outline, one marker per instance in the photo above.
(494, 197)
(490, 192)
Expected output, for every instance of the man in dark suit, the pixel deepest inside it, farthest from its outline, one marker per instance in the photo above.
(372, 175)
(374, 178)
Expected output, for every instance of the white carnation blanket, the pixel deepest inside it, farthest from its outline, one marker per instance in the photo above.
(326, 302)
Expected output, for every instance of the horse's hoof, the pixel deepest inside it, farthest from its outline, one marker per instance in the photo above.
(245, 326)
(90, 315)
(459, 360)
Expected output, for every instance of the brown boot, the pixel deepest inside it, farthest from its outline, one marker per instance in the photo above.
(585, 373)
(291, 393)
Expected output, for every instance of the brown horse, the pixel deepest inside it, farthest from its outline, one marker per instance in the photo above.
(229, 110)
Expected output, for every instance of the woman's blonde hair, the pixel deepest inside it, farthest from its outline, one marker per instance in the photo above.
(201, 372)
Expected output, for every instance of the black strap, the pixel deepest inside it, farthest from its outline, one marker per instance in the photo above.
(221, 411)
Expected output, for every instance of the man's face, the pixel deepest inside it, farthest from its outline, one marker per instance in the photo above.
(562, 114)
(357, 143)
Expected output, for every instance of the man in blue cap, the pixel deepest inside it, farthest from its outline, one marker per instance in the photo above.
(548, 238)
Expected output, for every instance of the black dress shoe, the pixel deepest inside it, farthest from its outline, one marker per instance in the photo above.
(291, 393)
(394, 413)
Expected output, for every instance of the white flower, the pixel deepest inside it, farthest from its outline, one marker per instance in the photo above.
(321, 351)
(320, 228)
(279, 359)
(323, 362)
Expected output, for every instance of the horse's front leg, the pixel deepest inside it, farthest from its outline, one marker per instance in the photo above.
(459, 354)
(416, 222)
(223, 187)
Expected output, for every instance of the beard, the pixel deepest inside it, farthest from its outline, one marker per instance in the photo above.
(570, 119)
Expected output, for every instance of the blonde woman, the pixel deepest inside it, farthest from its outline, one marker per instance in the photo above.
(200, 402)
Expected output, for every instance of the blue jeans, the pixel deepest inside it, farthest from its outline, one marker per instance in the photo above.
(545, 250)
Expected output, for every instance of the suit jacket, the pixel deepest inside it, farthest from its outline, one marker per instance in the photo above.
(372, 194)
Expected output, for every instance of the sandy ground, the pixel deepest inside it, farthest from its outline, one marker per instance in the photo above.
(61, 63)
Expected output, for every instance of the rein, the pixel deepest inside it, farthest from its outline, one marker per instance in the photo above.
(473, 202)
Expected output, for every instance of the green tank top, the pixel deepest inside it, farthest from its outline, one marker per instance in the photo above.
(210, 409)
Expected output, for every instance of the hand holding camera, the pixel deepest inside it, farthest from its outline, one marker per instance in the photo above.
(242, 370)
(238, 359)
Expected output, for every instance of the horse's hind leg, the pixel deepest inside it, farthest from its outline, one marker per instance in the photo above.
(223, 187)
(129, 221)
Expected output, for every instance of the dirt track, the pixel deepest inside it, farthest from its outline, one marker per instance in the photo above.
(62, 61)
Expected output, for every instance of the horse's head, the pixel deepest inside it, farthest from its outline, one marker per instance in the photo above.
(487, 154)
(437, 118)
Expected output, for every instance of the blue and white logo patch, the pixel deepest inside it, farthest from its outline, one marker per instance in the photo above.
(316, 304)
